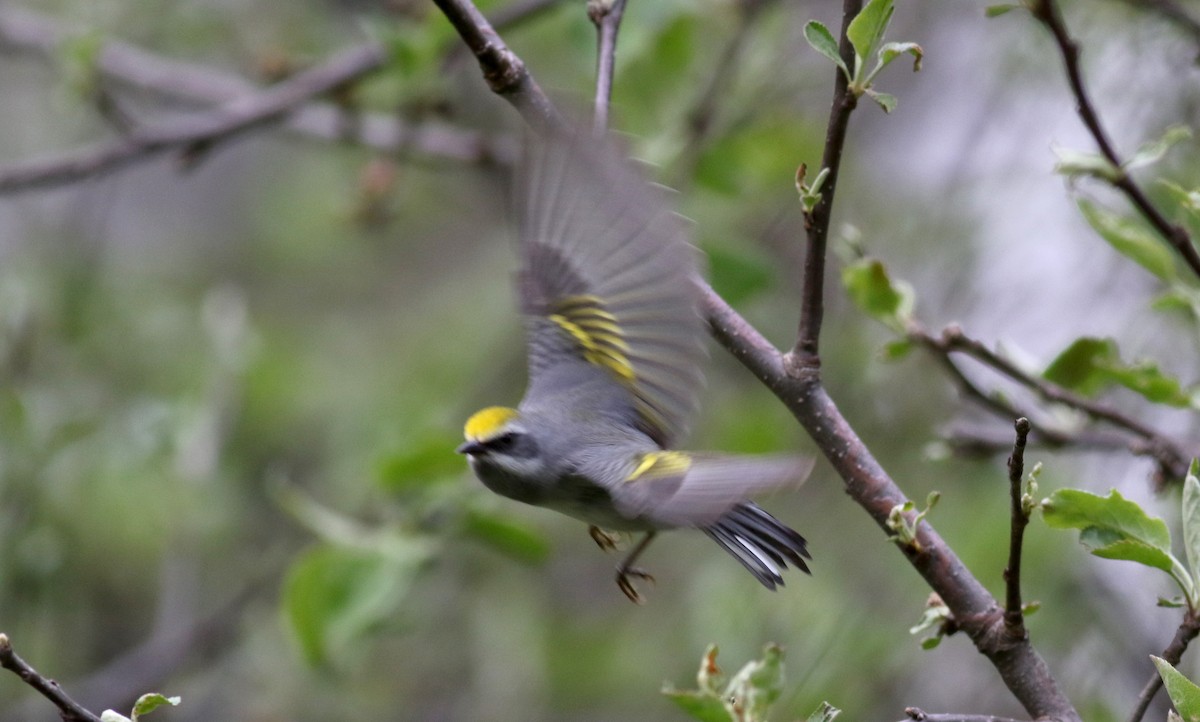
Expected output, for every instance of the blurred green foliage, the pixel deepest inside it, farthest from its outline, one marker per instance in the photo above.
(229, 398)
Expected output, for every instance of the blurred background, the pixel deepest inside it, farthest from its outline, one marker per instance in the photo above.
(231, 383)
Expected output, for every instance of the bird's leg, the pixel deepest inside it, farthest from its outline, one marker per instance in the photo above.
(603, 539)
(625, 569)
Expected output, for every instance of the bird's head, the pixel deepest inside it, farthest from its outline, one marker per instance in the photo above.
(498, 436)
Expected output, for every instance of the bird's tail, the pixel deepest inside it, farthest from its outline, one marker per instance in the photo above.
(762, 543)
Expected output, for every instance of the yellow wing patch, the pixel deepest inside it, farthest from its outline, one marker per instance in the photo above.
(488, 423)
(597, 332)
(659, 464)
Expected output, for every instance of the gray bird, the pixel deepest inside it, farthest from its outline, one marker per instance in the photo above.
(608, 290)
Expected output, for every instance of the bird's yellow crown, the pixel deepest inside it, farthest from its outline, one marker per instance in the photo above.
(488, 423)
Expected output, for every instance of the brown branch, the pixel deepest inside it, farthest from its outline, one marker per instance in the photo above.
(916, 714)
(812, 309)
(1187, 631)
(124, 66)
(799, 388)
(69, 709)
(952, 340)
(1048, 13)
(504, 72)
(197, 132)
(606, 16)
(1014, 616)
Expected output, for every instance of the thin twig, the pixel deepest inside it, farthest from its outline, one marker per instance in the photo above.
(916, 714)
(1187, 631)
(812, 307)
(1014, 616)
(606, 16)
(1048, 13)
(68, 708)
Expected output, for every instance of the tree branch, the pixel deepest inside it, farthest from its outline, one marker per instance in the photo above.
(126, 66)
(606, 16)
(1014, 615)
(504, 72)
(1170, 455)
(69, 710)
(1187, 631)
(799, 388)
(812, 309)
(916, 714)
(1047, 12)
(199, 132)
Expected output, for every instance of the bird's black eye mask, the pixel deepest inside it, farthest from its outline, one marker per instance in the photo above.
(521, 446)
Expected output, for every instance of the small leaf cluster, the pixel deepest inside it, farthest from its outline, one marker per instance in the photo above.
(1091, 365)
(903, 526)
(935, 619)
(865, 34)
(1113, 527)
(746, 697)
(145, 704)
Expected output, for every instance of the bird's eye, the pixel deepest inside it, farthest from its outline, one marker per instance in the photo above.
(503, 442)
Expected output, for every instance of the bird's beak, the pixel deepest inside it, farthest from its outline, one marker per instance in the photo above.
(470, 447)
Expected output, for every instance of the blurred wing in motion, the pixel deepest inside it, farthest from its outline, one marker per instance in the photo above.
(608, 280)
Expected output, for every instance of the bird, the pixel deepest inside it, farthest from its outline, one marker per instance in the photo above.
(609, 290)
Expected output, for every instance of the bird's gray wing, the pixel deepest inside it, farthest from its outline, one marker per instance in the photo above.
(675, 488)
(608, 281)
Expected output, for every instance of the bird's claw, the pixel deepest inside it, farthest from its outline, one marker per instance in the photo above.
(603, 539)
(626, 586)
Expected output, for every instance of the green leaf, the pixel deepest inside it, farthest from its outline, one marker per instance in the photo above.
(333, 595)
(1107, 544)
(994, 11)
(109, 715)
(1153, 151)
(1078, 367)
(1184, 693)
(1112, 527)
(872, 289)
(507, 536)
(1191, 518)
(1131, 239)
(898, 349)
(890, 51)
(825, 713)
(1188, 200)
(1077, 164)
(867, 28)
(147, 703)
(427, 461)
(886, 101)
(819, 37)
(700, 706)
(1089, 365)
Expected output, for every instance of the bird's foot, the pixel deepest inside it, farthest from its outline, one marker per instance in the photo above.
(626, 586)
(605, 540)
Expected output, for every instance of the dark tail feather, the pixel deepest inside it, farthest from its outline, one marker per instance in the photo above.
(762, 543)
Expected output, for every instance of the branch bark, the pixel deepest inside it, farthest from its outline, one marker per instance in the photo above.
(69, 709)
(812, 306)
(1014, 616)
(798, 386)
